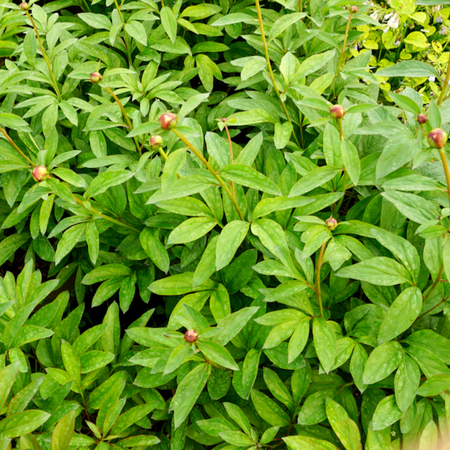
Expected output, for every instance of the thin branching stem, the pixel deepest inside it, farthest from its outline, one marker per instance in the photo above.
(213, 172)
(319, 266)
(231, 156)
(16, 147)
(130, 125)
(44, 54)
(344, 45)
(269, 67)
(445, 85)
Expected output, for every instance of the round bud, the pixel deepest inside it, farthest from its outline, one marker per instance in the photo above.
(40, 173)
(437, 138)
(337, 112)
(156, 142)
(190, 336)
(24, 6)
(168, 121)
(354, 9)
(331, 223)
(422, 119)
(96, 77)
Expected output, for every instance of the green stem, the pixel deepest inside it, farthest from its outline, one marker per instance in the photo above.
(127, 42)
(341, 130)
(44, 53)
(213, 172)
(130, 125)
(104, 216)
(319, 266)
(434, 285)
(444, 86)
(447, 174)
(16, 147)
(342, 51)
(231, 156)
(269, 67)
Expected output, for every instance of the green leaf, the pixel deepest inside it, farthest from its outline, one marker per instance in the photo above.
(174, 163)
(7, 378)
(191, 230)
(188, 391)
(63, 432)
(380, 271)
(324, 343)
(413, 206)
(249, 177)
(22, 423)
(308, 443)
(236, 438)
(106, 272)
(97, 21)
(405, 103)
(350, 157)
(71, 362)
(169, 23)
(229, 241)
(269, 410)
(137, 31)
(406, 382)
(283, 23)
(386, 414)
(102, 182)
(250, 117)
(401, 315)
(217, 354)
(346, 430)
(68, 241)
(435, 385)
(312, 180)
(408, 69)
(155, 249)
(382, 362)
(94, 360)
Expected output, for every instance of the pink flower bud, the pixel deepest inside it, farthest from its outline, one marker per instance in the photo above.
(96, 77)
(437, 138)
(422, 119)
(331, 223)
(40, 173)
(190, 336)
(337, 112)
(168, 121)
(24, 6)
(354, 9)
(156, 142)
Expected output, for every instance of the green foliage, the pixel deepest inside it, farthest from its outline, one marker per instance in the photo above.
(197, 253)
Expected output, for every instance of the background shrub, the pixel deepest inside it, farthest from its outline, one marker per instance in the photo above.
(224, 225)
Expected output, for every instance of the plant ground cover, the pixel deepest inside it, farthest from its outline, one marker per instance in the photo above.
(224, 225)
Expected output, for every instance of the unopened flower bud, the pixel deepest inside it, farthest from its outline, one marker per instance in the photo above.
(168, 121)
(190, 336)
(40, 173)
(337, 112)
(331, 223)
(96, 77)
(422, 119)
(24, 6)
(156, 142)
(354, 9)
(437, 138)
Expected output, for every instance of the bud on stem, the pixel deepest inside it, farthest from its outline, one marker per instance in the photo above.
(168, 121)
(337, 112)
(40, 173)
(331, 223)
(437, 138)
(96, 77)
(190, 336)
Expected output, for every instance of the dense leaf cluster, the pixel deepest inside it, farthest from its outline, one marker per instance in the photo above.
(217, 232)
